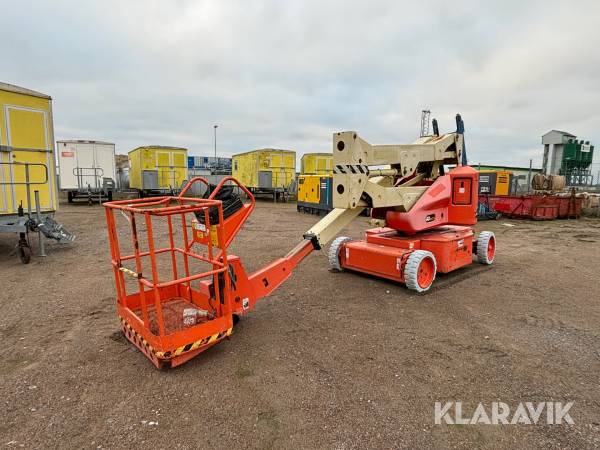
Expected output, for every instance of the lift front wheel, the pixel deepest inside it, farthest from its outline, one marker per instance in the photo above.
(486, 247)
(419, 271)
(334, 252)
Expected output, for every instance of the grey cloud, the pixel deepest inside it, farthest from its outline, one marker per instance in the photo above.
(288, 74)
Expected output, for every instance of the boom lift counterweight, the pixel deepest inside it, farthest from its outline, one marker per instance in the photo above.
(427, 216)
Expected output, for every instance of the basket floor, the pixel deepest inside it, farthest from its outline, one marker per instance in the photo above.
(172, 310)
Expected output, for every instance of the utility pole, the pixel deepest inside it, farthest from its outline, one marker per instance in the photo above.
(215, 127)
(529, 176)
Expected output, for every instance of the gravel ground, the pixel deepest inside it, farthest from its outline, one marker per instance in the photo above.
(330, 360)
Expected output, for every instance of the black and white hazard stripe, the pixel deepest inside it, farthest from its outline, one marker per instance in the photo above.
(351, 168)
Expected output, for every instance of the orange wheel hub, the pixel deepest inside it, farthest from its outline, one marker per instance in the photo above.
(491, 249)
(426, 273)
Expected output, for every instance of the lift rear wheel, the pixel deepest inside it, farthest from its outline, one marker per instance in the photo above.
(420, 270)
(334, 252)
(486, 247)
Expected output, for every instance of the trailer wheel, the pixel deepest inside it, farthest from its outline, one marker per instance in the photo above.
(334, 253)
(25, 253)
(420, 270)
(110, 196)
(486, 247)
(69, 197)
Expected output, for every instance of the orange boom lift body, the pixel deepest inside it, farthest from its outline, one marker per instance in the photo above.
(172, 311)
(438, 223)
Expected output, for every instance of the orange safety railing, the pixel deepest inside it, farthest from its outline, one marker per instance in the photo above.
(171, 319)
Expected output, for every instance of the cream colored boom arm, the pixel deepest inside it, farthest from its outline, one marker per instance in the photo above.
(357, 186)
(329, 226)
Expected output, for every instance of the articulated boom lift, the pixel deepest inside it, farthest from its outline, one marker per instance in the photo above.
(425, 214)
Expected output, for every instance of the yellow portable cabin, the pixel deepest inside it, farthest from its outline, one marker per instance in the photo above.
(265, 170)
(26, 150)
(157, 168)
(316, 164)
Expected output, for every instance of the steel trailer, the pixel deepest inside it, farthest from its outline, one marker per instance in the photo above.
(157, 169)
(28, 197)
(87, 169)
(31, 218)
(266, 171)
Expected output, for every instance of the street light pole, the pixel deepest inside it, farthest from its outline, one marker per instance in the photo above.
(215, 127)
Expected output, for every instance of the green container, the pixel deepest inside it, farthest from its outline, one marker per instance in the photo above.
(574, 158)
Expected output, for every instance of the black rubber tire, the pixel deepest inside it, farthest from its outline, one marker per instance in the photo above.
(25, 254)
(69, 197)
(110, 196)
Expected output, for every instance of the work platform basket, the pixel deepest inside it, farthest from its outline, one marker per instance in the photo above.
(168, 307)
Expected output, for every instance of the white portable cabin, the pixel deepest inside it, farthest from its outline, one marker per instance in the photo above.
(86, 167)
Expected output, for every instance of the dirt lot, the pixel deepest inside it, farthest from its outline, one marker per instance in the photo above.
(330, 360)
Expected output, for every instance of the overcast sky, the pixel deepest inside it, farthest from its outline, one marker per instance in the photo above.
(288, 74)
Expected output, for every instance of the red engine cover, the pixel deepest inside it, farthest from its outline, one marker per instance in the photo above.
(450, 200)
